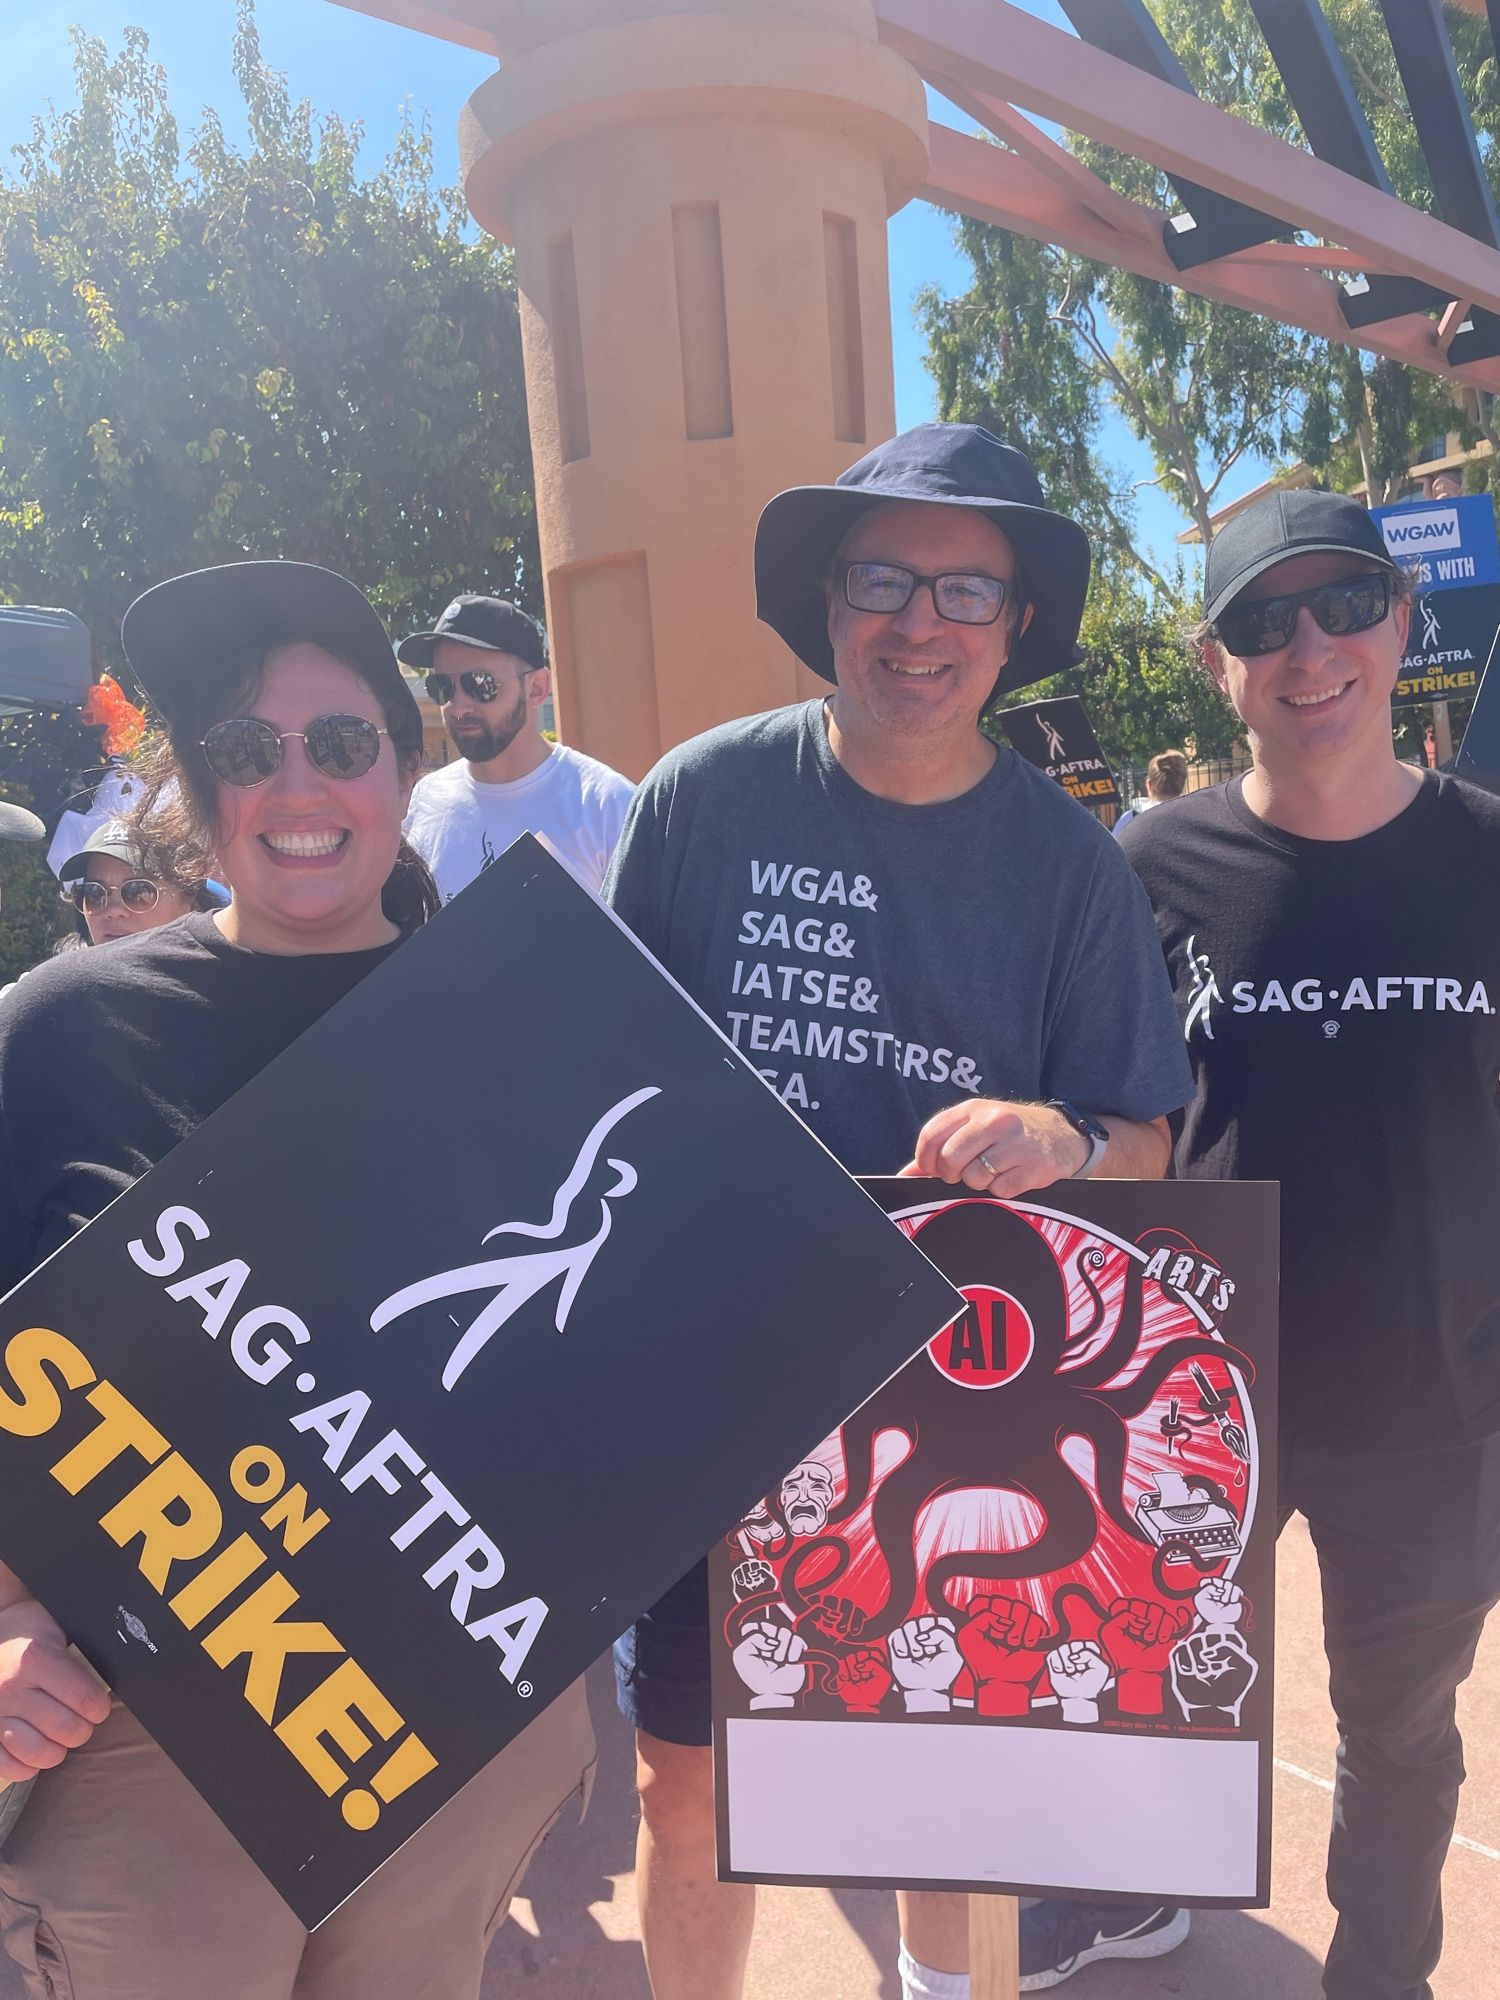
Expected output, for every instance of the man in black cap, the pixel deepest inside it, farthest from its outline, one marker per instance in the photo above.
(1332, 926)
(931, 953)
(486, 666)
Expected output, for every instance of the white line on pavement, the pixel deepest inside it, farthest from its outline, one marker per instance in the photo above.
(1326, 1785)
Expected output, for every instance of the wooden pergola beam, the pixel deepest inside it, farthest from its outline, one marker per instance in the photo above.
(993, 47)
(987, 182)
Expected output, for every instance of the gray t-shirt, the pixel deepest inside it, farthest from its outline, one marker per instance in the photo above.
(878, 962)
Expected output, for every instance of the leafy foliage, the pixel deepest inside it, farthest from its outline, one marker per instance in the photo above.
(1143, 690)
(210, 352)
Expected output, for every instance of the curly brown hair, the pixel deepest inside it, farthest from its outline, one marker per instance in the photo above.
(176, 817)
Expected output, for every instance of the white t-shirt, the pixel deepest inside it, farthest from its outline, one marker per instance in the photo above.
(459, 826)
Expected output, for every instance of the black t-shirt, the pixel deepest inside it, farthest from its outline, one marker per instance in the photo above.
(109, 1057)
(1339, 1000)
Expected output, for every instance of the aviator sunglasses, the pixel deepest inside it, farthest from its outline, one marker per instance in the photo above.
(246, 752)
(137, 894)
(478, 686)
(960, 596)
(1265, 625)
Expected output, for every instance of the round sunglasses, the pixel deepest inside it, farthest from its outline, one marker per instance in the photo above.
(961, 596)
(89, 898)
(1266, 624)
(246, 752)
(478, 686)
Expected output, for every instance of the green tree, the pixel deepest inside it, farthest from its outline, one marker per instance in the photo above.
(1143, 690)
(222, 351)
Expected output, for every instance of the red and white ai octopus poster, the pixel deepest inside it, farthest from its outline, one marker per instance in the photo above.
(1010, 1627)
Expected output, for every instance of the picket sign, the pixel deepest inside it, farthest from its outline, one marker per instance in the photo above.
(994, 1948)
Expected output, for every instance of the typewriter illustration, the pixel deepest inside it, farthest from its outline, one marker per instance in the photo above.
(1191, 1511)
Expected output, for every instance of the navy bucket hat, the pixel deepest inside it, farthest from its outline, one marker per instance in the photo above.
(944, 465)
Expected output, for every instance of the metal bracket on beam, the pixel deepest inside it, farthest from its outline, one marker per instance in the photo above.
(1369, 302)
(1479, 340)
(1213, 225)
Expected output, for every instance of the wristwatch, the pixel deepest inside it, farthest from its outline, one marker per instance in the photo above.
(1086, 1128)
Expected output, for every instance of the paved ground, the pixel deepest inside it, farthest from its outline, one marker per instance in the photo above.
(574, 1935)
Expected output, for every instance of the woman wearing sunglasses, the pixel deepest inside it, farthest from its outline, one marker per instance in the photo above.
(114, 894)
(289, 750)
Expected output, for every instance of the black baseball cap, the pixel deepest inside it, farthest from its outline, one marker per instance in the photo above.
(18, 824)
(114, 841)
(944, 465)
(179, 633)
(1292, 522)
(488, 624)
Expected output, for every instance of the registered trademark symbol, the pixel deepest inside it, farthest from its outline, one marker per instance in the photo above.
(523, 1687)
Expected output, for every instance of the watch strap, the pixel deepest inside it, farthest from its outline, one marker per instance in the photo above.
(1086, 1128)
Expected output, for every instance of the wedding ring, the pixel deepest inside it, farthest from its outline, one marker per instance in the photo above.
(989, 1166)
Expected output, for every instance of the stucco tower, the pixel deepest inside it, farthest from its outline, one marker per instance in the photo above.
(698, 201)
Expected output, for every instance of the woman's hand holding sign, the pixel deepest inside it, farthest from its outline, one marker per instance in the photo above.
(50, 1702)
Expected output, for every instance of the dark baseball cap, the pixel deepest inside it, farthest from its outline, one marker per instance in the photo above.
(488, 624)
(1292, 522)
(943, 465)
(114, 841)
(180, 633)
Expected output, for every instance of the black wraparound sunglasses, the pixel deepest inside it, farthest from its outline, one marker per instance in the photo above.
(1266, 624)
(478, 686)
(139, 893)
(246, 752)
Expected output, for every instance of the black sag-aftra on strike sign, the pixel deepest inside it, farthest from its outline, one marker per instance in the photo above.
(345, 1439)
(1059, 739)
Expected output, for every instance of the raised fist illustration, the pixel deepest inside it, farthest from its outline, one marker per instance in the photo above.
(1220, 1604)
(832, 1617)
(1078, 1673)
(770, 1661)
(1137, 1638)
(925, 1660)
(752, 1579)
(1212, 1672)
(861, 1680)
(1002, 1643)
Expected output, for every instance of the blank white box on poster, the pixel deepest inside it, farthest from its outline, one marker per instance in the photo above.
(827, 1801)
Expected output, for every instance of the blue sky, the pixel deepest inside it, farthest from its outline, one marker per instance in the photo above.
(362, 68)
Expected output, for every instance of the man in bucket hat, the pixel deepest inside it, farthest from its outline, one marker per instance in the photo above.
(934, 956)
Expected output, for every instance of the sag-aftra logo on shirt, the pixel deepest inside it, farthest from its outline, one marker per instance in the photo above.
(1376, 993)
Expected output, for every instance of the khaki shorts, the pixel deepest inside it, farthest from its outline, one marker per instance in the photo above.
(118, 1883)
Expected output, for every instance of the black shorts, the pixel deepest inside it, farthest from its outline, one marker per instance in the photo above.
(661, 1665)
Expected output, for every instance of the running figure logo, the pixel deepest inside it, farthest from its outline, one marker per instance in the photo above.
(1205, 992)
(1053, 737)
(518, 1277)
